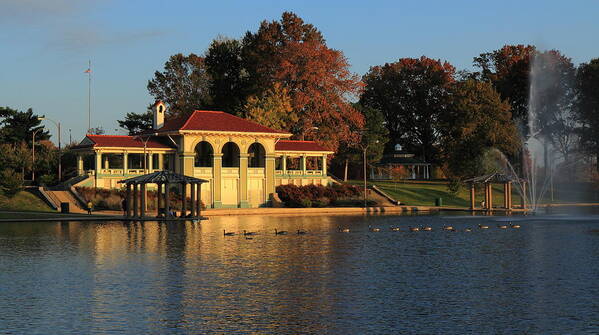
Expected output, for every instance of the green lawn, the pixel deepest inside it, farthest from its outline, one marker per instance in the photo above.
(424, 193)
(23, 201)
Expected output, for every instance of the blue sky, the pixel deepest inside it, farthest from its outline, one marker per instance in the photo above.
(46, 44)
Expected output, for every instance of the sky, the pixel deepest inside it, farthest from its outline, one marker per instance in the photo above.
(46, 44)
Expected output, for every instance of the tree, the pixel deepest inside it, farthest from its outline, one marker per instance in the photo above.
(587, 107)
(183, 85)
(18, 126)
(552, 93)
(136, 123)
(228, 85)
(477, 120)
(508, 69)
(373, 136)
(317, 78)
(272, 109)
(412, 94)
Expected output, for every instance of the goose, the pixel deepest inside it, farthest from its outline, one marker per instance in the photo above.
(282, 232)
(427, 228)
(414, 228)
(230, 233)
(374, 229)
(502, 226)
(447, 227)
(514, 226)
(301, 232)
(468, 229)
(248, 233)
(343, 230)
(395, 229)
(483, 227)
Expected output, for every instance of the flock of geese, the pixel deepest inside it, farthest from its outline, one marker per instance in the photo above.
(249, 234)
(428, 228)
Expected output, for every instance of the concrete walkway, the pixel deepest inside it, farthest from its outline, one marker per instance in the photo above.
(118, 215)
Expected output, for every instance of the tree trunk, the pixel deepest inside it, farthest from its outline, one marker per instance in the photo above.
(345, 174)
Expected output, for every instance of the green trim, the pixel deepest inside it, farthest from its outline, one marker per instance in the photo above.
(229, 206)
(217, 204)
(244, 204)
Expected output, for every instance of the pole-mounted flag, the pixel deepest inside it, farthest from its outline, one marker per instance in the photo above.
(89, 96)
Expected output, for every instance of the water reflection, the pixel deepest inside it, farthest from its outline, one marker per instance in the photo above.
(177, 278)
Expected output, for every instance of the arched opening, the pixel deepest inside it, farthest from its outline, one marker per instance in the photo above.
(230, 155)
(203, 155)
(257, 156)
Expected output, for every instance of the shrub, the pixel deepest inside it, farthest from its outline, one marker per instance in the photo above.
(306, 203)
(318, 195)
(10, 182)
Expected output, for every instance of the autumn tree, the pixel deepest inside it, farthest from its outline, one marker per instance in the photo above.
(183, 84)
(272, 108)
(412, 93)
(508, 69)
(373, 136)
(316, 77)
(587, 107)
(476, 120)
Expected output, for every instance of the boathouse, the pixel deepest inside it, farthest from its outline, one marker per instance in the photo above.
(242, 161)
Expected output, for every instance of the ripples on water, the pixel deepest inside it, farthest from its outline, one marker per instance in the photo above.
(157, 278)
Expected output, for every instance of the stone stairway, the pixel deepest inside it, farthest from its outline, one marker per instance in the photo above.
(65, 196)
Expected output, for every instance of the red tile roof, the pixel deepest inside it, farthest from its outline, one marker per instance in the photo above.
(288, 145)
(118, 141)
(216, 121)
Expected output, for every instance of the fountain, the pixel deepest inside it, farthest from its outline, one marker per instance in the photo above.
(536, 175)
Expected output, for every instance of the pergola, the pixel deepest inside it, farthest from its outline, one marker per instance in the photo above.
(136, 189)
(490, 179)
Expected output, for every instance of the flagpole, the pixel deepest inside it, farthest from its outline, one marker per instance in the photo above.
(89, 96)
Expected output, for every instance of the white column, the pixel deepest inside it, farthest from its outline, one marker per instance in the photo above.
(125, 162)
(284, 167)
(150, 161)
(303, 164)
(98, 166)
(324, 165)
(79, 165)
(160, 161)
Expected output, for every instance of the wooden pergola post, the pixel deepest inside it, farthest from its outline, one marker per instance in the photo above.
(193, 200)
(508, 187)
(183, 199)
(128, 201)
(135, 200)
(472, 196)
(142, 192)
(158, 198)
(167, 203)
(198, 200)
(490, 196)
(505, 196)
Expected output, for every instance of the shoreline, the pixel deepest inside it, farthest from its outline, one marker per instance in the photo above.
(214, 212)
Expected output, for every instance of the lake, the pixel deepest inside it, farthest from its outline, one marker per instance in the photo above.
(188, 278)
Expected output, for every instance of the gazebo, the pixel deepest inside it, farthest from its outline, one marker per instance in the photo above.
(488, 180)
(136, 189)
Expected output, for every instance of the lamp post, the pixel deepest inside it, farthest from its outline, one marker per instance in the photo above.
(33, 153)
(59, 145)
(364, 148)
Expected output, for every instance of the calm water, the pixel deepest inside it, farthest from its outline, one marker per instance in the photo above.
(156, 278)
